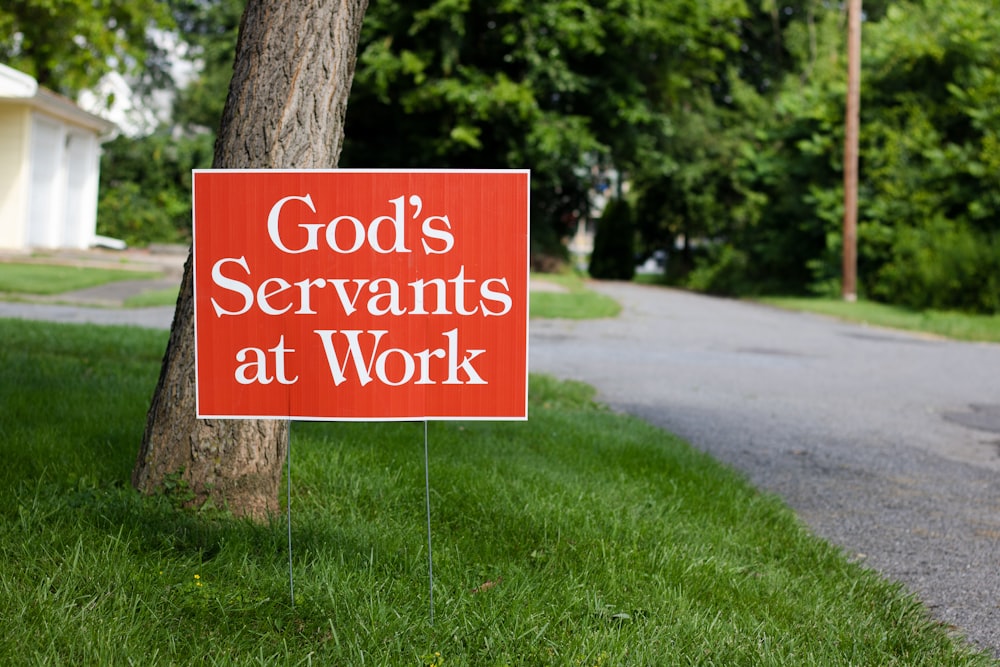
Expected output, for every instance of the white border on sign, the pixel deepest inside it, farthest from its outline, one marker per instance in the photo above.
(414, 418)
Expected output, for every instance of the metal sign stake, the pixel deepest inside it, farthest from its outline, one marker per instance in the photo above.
(291, 578)
(430, 553)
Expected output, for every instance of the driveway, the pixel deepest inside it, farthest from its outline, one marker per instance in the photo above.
(885, 443)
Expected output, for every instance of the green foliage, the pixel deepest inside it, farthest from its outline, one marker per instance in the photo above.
(146, 186)
(68, 45)
(755, 174)
(729, 185)
(940, 265)
(128, 212)
(932, 205)
(724, 117)
(176, 490)
(580, 537)
(210, 30)
(145, 194)
(563, 87)
(722, 271)
(613, 257)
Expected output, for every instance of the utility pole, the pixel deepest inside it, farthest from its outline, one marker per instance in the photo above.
(849, 282)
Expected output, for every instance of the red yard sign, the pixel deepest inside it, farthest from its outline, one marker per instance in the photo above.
(361, 295)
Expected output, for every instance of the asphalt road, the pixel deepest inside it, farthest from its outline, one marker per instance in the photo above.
(885, 443)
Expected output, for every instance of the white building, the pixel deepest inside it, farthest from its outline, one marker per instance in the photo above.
(49, 167)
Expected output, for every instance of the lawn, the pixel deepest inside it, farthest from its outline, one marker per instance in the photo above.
(574, 301)
(960, 326)
(152, 298)
(579, 537)
(44, 279)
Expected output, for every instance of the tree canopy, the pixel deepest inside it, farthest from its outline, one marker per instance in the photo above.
(566, 87)
(68, 45)
(720, 121)
(928, 224)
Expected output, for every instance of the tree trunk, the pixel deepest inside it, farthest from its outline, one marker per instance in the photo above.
(285, 110)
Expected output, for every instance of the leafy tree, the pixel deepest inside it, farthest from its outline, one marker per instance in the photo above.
(286, 50)
(614, 247)
(725, 118)
(68, 45)
(754, 173)
(145, 189)
(565, 87)
(146, 181)
(725, 183)
(931, 153)
(210, 30)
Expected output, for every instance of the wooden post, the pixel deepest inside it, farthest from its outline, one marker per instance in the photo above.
(849, 290)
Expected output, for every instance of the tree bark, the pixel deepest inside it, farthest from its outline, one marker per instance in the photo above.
(285, 110)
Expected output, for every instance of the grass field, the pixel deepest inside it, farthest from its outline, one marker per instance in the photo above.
(575, 302)
(53, 279)
(163, 297)
(579, 537)
(960, 326)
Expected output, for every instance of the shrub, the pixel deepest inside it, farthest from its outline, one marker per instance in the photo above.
(614, 243)
(139, 218)
(145, 193)
(723, 270)
(943, 266)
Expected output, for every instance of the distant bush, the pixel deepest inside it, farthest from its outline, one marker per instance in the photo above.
(139, 218)
(757, 175)
(722, 271)
(145, 194)
(614, 243)
(941, 266)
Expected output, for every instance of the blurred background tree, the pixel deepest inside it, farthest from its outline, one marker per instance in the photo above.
(570, 89)
(145, 193)
(69, 45)
(614, 249)
(721, 120)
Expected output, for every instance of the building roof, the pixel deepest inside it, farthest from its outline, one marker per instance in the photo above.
(16, 86)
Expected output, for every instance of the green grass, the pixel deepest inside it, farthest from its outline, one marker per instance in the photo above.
(164, 297)
(55, 279)
(654, 279)
(960, 326)
(579, 537)
(576, 302)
